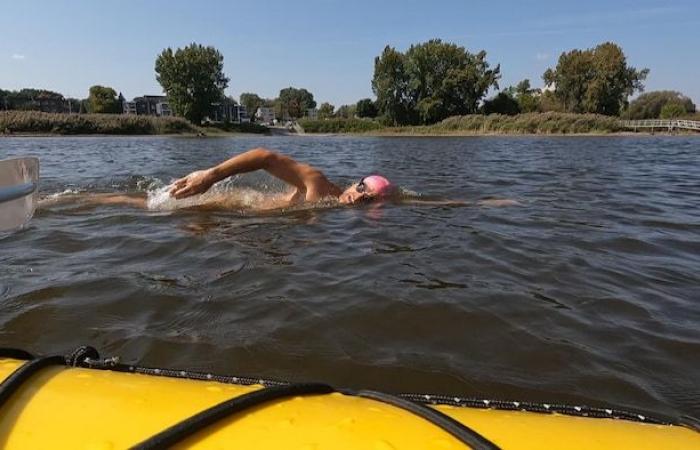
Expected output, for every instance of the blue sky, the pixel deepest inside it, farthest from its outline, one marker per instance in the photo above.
(328, 46)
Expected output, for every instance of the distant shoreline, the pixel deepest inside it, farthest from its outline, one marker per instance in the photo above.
(467, 134)
(227, 134)
(39, 124)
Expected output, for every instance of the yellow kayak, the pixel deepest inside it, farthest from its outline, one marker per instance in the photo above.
(60, 407)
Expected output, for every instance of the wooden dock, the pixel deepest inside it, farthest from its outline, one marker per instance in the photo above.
(661, 124)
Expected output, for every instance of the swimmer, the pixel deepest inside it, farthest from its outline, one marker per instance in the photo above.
(308, 185)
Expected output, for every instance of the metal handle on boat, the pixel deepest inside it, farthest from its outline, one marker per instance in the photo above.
(14, 192)
(19, 184)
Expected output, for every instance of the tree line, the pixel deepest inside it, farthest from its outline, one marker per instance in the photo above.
(100, 100)
(434, 80)
(426, 84)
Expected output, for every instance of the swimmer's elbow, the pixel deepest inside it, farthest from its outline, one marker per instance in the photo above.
(264, 156)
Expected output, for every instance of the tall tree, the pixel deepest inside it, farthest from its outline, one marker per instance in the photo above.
(431, 81)
(294, 102)
(447, 80)
(596, 80)
(103, 100)
(367, 108)
(390, 85)
(528, 98)
(251, 102)
(193, 79)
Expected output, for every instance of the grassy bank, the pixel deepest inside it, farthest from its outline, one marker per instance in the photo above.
(477, 124)
(67, 124)
(252, 128)
(340, 126)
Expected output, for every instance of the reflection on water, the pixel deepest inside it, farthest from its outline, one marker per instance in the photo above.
(585, 293)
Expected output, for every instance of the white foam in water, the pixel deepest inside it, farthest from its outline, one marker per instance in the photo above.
(148, 183)
(63, 194)
(220, 194)
(160, 199)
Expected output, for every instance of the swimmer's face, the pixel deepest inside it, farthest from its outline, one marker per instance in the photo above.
(352, 195)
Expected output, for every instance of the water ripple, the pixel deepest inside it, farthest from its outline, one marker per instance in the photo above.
(585, 293)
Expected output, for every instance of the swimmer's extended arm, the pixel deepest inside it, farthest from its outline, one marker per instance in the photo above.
(280, 166)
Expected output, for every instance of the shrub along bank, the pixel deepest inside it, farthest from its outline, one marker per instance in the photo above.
(476, 124)
(66, 124)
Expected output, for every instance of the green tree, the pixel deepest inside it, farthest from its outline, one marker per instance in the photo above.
(193, 79)
(73, 105)
(549, 102)
(528, 98)
(32, 100)
(596, 80)
(447, 80)
(430, 82)
(672, 110)
(346, 111)
(503, 103)
(366, 108)
(325, 111)
(294, 102)
(390, 85)
(650, 104)
(251, 102)
(103, 100)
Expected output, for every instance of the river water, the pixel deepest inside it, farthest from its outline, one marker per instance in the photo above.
(586, 293)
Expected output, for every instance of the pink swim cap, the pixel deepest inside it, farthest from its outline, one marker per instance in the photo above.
(377, 185)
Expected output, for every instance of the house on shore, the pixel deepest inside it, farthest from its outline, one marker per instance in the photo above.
(265, 114)
(229, 111)
(148, 105)
(158, 105)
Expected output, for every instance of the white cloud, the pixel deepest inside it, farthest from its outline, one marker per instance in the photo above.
(17, 56)
(542, 56)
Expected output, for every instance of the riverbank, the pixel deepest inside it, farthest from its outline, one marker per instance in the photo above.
(36, 123)
(477, 124)
(529, 124)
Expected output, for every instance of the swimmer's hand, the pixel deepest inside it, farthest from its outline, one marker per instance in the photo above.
(195, 183)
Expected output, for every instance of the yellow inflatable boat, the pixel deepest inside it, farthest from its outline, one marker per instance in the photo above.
(84, 402)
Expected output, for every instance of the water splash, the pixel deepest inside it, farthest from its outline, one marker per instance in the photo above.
(64, 193)
(221, 196)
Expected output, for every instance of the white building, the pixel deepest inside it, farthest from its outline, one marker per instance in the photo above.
(265, 114)
(229, 112)
(129, 107)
